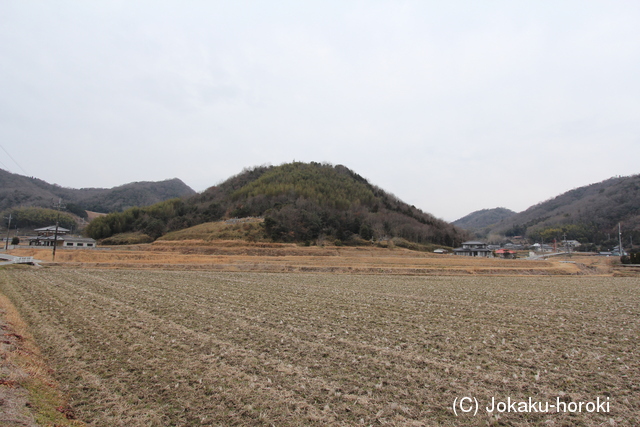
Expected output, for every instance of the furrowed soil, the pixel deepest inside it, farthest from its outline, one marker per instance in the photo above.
(145, 347)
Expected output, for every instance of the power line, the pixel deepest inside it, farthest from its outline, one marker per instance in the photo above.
(14, 160)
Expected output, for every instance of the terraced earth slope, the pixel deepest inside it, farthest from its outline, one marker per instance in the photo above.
(288, 257)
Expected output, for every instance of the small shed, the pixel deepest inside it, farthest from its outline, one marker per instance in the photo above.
(78, 242)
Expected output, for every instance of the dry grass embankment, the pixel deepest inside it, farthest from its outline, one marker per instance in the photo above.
(238, 255)
(247, 229)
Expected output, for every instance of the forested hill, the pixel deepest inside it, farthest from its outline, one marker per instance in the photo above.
(22, 191)
(484, 218)
(590, 213)
(299, 202)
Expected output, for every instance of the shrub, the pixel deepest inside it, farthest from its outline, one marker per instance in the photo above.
(632, 258)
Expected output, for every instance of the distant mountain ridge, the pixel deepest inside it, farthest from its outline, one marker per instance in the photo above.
(22, 191)
(590, 213)
(602, 204)
(483, 218)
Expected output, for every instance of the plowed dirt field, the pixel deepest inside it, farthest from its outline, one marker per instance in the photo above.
(186, 348)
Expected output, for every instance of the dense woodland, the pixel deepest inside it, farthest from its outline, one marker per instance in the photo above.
(300, 202)
(31, 217)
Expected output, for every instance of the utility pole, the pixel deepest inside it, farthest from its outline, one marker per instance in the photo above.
(6, 244)
(620, 240)
(57, 207)
(566, 244)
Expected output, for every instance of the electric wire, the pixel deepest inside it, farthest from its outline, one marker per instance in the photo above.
(14, 160)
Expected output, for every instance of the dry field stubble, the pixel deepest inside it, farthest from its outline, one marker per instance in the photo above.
(29, 396)
(278, 257)
(157, 348)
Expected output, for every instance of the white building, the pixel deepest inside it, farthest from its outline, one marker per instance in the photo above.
(78, 242)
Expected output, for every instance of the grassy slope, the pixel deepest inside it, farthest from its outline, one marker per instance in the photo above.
(250, 230)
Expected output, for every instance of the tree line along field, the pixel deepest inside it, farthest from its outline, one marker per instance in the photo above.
(187, 348)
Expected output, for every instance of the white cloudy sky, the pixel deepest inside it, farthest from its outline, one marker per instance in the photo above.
(453, 106)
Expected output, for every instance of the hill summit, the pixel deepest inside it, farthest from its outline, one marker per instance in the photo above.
(299, 202)
(483, 218)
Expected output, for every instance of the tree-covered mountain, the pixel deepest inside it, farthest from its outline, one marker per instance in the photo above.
(22, 191)
(479, 220)
(299, 202)
(588, 214)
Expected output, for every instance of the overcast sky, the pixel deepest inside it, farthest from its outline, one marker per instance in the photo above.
(452, 106)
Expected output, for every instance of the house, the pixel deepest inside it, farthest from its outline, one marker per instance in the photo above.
(473, 248)
(51, 231)
(506, 253)
(514, 246)
(541, 247)
(47, 236)
(570, 243)
(616, 251)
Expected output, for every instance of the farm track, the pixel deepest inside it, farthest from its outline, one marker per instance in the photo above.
(158, 347)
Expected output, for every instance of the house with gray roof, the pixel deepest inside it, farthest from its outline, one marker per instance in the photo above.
(47, 237)
(473, 248)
